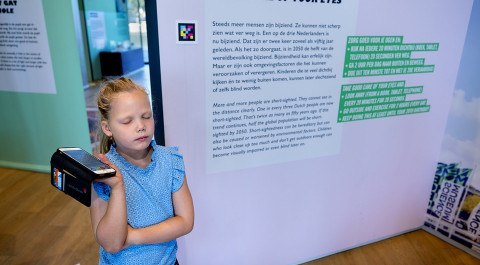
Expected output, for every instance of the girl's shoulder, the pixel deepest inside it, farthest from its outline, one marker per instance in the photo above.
(170, 153)
(166, 151)
(175, 163)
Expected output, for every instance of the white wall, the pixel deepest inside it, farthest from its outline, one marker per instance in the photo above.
(376, 186)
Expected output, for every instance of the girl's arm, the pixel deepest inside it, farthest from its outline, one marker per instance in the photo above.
(172, 228)
(109, 219)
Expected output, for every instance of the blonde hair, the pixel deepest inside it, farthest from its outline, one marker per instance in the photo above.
(106, 95)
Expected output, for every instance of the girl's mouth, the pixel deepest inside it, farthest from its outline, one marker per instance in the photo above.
(141, 139)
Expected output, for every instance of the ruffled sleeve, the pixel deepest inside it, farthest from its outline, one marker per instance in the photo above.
(178, 168)
(103, 190)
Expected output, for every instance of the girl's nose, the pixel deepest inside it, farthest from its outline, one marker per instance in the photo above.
(141, 127)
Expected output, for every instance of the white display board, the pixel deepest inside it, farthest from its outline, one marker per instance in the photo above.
(25, 62)
(307, 127)
(273, 94)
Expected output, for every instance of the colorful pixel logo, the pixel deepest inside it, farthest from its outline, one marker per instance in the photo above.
(186, 32)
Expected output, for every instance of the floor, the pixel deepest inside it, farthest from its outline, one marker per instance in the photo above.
(41, 225)
(140, 76)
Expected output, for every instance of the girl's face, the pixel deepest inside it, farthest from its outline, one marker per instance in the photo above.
(130, 122)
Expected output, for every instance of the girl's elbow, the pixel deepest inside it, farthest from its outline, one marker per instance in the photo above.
(112, 248)
(189, 226)
(186, 225)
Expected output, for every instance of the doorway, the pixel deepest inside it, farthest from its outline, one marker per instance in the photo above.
(113, 35)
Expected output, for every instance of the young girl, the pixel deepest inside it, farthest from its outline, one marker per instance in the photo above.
(137, 214)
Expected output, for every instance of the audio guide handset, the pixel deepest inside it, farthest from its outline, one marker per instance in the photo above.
(73, 170)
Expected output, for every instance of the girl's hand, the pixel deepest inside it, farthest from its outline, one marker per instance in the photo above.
(110, 181)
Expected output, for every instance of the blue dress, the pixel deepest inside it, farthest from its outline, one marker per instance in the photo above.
(149, 201)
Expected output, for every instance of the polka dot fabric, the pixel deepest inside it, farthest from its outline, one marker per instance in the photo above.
(149, 201)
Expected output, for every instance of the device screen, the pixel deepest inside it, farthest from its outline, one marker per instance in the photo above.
(88, 160)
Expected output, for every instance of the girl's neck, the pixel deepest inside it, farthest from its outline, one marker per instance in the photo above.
(138, 159)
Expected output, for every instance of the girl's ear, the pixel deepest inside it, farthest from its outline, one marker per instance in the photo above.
(106, 129)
